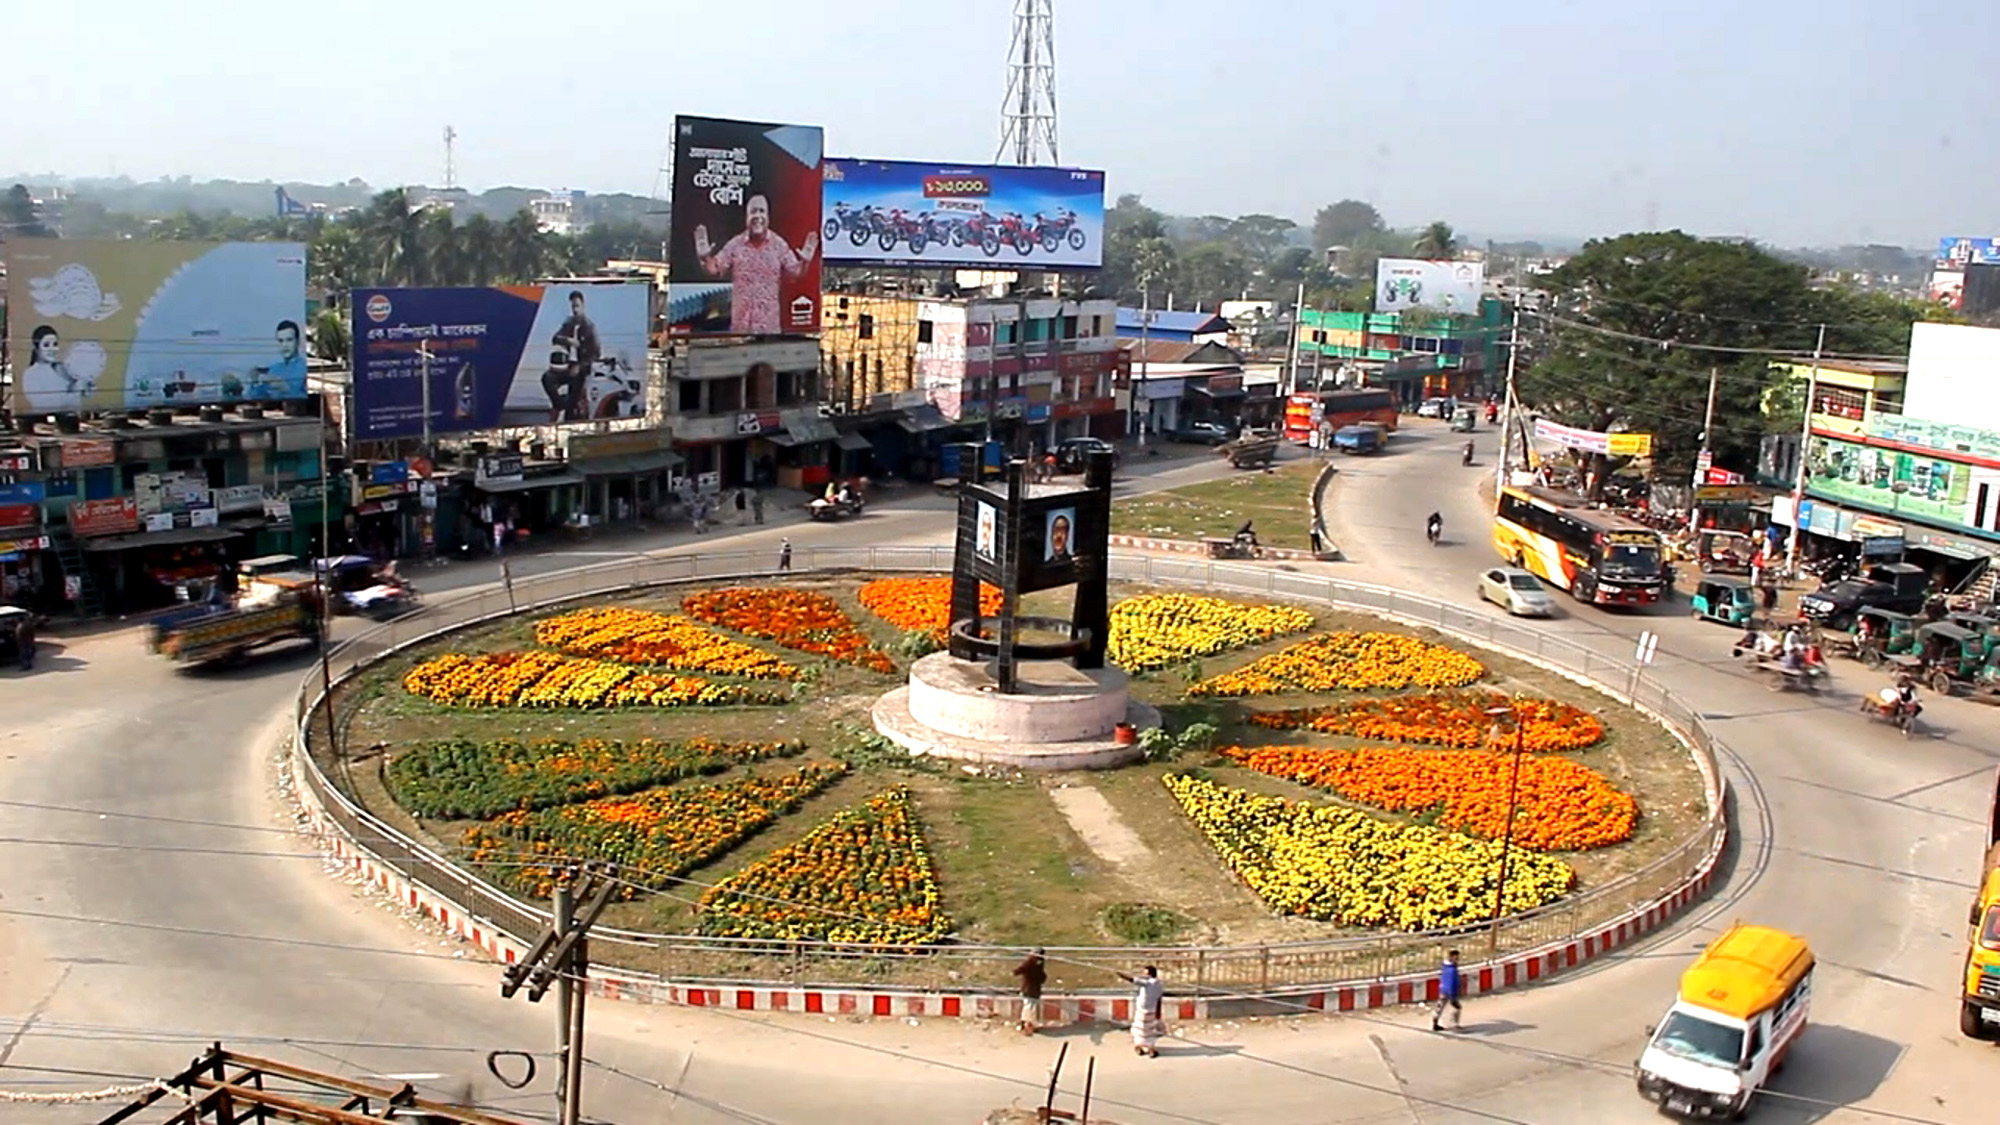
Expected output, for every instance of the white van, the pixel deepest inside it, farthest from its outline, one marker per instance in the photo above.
(1742, 1006)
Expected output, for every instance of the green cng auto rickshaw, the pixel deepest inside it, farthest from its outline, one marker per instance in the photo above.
(1728, 600)
(1948, 654)
(1882, 633)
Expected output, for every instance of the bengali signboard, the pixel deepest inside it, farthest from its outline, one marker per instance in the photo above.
(138, 323)
(976, 215)
(1594, 441)
(744, 255)
(516, 355)
(117, 515)
(1415, 283)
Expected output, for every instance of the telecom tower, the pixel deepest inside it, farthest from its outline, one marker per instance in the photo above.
(450, 158)
(1028, 113)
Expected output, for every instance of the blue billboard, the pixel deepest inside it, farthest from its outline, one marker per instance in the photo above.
(514, 355)
(1958, 253)
(982, 216)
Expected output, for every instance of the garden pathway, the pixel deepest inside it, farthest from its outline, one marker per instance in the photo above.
(1099, 825)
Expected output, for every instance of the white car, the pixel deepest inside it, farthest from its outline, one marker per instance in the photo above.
(1434, 408)
(1517, 592)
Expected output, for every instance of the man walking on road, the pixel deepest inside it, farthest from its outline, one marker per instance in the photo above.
(785, 555)
(1449, 987)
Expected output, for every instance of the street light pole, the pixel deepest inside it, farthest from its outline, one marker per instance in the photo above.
(1507, 840)
(1805, 440)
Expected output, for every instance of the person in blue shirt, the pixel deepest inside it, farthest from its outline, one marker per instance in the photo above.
(1450, 985)
(287, 377)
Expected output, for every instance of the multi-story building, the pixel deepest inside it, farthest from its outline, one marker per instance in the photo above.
(559, 212)
(1053, 364)
(1417, 354)
(750, 414)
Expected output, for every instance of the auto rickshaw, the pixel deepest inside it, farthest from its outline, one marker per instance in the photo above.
(1728, 600)
(1464, 420)
(1880, 634)
(1948, 655)
(17, 637)
(1987, 627)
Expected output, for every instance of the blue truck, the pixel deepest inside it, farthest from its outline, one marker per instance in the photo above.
(1362, 437)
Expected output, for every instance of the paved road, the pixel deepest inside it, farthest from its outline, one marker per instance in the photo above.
(127, 942)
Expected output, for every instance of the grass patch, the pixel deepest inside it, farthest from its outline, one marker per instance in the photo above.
(1141, 924)
(1280, 501)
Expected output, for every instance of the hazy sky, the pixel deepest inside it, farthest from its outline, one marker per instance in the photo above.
(1797, 122)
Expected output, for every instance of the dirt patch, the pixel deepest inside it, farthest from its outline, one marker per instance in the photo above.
(1091, 817)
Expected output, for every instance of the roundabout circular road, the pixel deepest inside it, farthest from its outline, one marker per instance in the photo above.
(153, 901)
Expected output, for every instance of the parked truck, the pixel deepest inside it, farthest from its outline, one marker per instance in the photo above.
(1742, 1005)
(276, 607)
(1979, 1007)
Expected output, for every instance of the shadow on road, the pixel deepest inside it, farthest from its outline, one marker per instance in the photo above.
(1831, 1068)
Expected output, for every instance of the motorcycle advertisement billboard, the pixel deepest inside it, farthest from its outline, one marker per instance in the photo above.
(895, 212)
(134, 324)
(744, 253)
(1411, 283)
(512, 355)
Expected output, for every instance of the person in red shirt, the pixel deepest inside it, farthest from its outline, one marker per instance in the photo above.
(755, 262)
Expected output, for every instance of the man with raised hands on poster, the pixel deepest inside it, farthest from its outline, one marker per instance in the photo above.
(754, 262)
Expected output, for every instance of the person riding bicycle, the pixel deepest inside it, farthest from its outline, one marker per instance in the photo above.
(1433, 527)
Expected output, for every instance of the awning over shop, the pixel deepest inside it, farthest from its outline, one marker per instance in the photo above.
(808, 430)
(555, 480)
(178, 537)
(1164, 388)
(1232, 392)
(629, 465)
(922, 419)
(855, 443)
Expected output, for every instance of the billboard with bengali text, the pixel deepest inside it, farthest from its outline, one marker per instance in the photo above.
(134, 324)
(979, 215)
(515, 355)
(1958, 253)
(744, 256)
(1413, 283)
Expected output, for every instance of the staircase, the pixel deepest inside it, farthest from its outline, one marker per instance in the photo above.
(89, 601)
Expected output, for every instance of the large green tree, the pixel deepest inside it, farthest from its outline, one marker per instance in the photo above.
(1345, 223)
(18, 218)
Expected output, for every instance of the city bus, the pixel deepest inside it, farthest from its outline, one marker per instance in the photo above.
(1337, 409)
(1600, 557)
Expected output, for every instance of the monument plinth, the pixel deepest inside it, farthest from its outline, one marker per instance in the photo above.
(993, 697)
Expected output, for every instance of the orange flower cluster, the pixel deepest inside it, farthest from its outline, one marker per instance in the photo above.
(1446, 718)
(1561, 806)
(797, 619)
(637, 636)
(1350, 662)
(655, 836)
(864, 876)
(550, 679)
(922, 604)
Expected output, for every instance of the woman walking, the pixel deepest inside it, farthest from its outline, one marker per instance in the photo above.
(1148, 1018)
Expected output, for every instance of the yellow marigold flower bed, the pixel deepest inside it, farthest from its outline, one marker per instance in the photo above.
(1559, 806)
(864, 877)
(551, 679)
(638, 636)
(921, 604)
(655, 836)
(1340, 865)
(1157, 630)
(1447, 718)
(1347, 662)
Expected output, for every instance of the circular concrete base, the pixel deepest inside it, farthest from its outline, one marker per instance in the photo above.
(1058, 718)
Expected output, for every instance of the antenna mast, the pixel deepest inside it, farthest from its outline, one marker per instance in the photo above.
(450, 160)
(1028, 112)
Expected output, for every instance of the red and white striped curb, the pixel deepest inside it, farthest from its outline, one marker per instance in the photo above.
(1184, 547)
(1510, 972)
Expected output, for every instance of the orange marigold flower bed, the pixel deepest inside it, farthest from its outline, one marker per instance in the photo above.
(922, 604)
(1446, 718)
(797, 619)
(1349, 662)
(1562, 807)
(638, 636)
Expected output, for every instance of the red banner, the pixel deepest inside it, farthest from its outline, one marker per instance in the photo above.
(963, 185)
(85, 453)
(13, 516)
(116, 516)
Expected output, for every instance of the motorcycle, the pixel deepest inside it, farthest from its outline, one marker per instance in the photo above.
(838, 508)
(858, 224)
(1052, 233)
(1467, 459)
(1432, 530)
(1014, 232)
(972, 229)
(938, 228)
(902, 227)
(614, 390)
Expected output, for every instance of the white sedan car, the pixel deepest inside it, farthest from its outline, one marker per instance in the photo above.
(1517, 592)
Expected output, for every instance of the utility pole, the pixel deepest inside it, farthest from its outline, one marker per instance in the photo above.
(1805, 439)
(1705, 458)
(1140, 420)
(1507, 416)
(1298, 341)
(424, 354)
(561, 956)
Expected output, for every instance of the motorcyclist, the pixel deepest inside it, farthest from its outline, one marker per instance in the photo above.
(1433, 527)
(1246, 536)
(1467, 459)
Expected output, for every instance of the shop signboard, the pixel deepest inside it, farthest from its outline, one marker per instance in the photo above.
(20, 515)
(744, 250)
(17, 461)
(117, 515)
(516, 355)
(23, 492)
(129, 324)
(499, 469)
(89, 453)
(624, 443)
(170, 492)
(239, 498)
(381, 491)
(278, 511)
(389, 472)
(1594, 441)
(17, 547)
(983, 216)
(1940, 436)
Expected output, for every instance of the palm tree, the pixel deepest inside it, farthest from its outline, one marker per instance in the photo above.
(1437, 241)
(479, 250)
(391, 232)
(439, 261)
(525, 251)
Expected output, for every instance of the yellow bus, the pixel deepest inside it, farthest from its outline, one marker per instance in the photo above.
(1600, 557)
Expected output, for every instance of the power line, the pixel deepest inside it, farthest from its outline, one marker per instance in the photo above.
(1789, 353)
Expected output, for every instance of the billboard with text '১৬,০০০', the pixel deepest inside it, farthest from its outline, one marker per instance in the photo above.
(979, 215)
(135, 323)
(514, 355)
(744, 252)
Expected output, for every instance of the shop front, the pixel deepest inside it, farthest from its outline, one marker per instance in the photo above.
(802, 447)
(23, 539)
(627, 475)
(385, 515)
(145, 561)
(516, 500)
(1218, 399)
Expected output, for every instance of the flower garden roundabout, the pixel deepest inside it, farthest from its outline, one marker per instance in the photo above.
(702, 726)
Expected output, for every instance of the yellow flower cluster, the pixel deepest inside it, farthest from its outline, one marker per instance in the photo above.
(1157, 630)
(637, 636)
(1350, 662)
(1340, 865)
(550, 679)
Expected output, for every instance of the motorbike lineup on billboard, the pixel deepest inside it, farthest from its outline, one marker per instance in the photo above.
(1411, 283)
(745, 234)
(132, 324)
(904, 213)
(513, 355)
